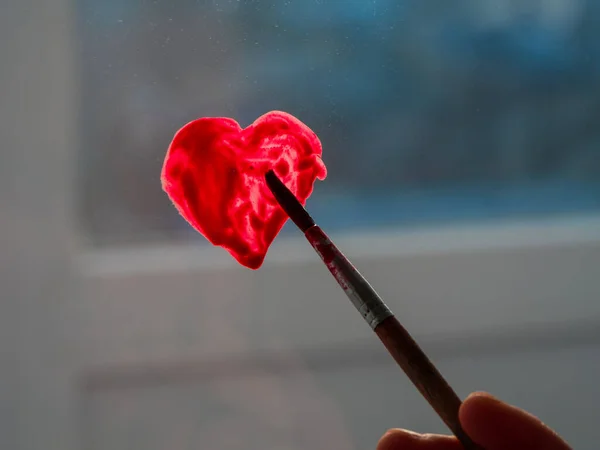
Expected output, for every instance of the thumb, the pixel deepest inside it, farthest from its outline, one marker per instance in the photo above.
(496, 425)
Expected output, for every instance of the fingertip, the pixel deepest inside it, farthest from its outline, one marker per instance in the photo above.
(396, 438)
(473, 405)
(478, 396)
(399, 439)
(495, 424)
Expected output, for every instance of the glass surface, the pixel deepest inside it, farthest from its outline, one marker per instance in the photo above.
(429, 111)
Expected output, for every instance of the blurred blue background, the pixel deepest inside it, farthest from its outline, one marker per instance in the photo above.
(461, 140)
(428, 111)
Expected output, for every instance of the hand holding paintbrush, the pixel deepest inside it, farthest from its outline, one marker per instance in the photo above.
(491, 422)
(515, 429)
(396, 339)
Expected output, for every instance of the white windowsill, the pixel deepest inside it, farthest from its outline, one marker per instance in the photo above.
(369, 244)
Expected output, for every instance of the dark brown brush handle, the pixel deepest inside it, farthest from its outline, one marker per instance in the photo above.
(396, 339)
(424, 376)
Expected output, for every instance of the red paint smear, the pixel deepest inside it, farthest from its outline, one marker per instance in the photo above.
(214, 174)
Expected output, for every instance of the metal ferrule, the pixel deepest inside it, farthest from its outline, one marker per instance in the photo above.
(357, 288)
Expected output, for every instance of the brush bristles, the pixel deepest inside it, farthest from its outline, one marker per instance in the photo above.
(289, 202)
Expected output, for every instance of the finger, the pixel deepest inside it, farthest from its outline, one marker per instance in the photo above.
(397, 439)
(496, 425)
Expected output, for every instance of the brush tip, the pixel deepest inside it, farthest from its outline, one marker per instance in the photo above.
(288, 202)
(272, 179)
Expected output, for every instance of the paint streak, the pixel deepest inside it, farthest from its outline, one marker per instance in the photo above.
(214, 175)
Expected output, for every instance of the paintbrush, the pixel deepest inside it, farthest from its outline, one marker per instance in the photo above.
(399, 343)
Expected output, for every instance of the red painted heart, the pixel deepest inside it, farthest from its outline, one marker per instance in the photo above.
(214, 174)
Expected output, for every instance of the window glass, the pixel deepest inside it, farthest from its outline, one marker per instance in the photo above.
(429, 111)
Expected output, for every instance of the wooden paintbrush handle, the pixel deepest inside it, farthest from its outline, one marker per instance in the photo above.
(424, 376)
(399, 343)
